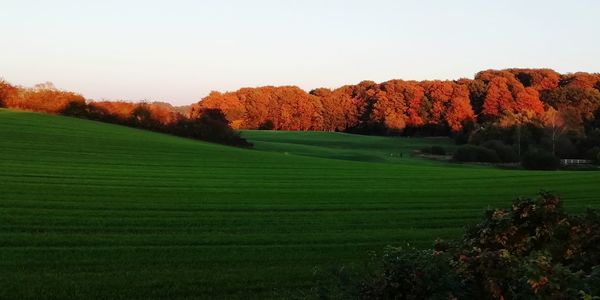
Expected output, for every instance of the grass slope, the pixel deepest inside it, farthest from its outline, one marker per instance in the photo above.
(344, 146)
(92, 210)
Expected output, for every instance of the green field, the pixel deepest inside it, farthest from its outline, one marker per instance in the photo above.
(97, 211)
(345, 146)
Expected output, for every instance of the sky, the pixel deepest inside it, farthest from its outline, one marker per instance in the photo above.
(179, 51)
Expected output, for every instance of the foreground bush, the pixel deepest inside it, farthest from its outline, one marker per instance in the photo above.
(471, 153)
(533, 250)
(540, 160)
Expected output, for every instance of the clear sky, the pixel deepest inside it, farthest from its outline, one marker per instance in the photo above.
(178, 51)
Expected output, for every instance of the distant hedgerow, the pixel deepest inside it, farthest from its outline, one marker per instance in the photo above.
(209, 125)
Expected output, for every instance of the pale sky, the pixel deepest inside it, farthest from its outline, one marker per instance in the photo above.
(178, 51)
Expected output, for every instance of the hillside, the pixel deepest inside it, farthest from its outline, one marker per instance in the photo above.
(338, 145)
(94, 210)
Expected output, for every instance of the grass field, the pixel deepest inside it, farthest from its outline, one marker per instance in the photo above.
(92, 210)
(345, 146)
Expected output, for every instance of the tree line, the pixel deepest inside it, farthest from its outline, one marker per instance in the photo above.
(208, 124)
(501, 97)
(507, 99)
(535, 113)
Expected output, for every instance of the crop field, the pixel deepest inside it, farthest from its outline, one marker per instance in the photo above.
(98, 211)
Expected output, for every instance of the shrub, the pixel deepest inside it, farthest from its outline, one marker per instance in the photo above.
(565, 148)
(434, 150)
(409, 273)
(532, 250)
(267, 125)
(593, 155)
(540, 160)
(471, 153)
(461, 138)
(505, 152)
(76, 109)
(210, 125)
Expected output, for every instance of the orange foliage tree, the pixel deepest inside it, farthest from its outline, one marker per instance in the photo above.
(507, 95)
(42, 100)
(287, 108)
(339, 109)
(6, 91)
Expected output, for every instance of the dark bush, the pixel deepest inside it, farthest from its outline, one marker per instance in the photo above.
(461, 138)
(593, 155)
(76, 109)
(267, 125)
(506, 153)
(211, 125)
(472, 153)
(533, 250)
(565, 148)
(540, 160)
(434, 150)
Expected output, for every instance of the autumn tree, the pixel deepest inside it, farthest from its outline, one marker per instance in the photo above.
(390, 105)
(576, 104)
(477, 92)
(229, 103)
(580, 80)
(117, 110)
(449, 104)
(42, 99)
(497, 98)
(6, 91)
(287, 108)
(539, 79)
(339, 108)
(507, 95)
(459, 108)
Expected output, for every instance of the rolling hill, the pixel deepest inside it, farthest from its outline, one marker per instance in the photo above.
(97, 211)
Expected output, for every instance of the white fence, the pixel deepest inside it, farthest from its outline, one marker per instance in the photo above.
(567, 162)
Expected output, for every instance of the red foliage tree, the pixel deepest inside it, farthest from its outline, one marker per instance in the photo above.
(580, 80)
(439, 94)
(576, 104)
(389, 105)
(287, 108)
(539, 79)
(339, 108)
(228, 103)
(459, 109)
(508, 96)
(119, 109)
